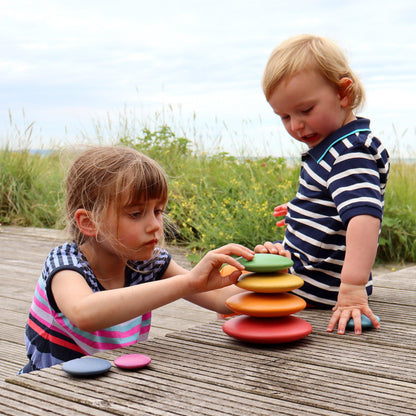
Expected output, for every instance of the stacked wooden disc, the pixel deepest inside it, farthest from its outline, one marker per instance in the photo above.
(265, 308)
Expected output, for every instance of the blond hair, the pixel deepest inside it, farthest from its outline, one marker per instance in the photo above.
(310, 52)
(105, 176)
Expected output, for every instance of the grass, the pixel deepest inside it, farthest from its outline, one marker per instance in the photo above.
(31, 189)
(214, 199)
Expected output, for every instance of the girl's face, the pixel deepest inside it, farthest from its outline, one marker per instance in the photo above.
(310, 107)
(138, 228)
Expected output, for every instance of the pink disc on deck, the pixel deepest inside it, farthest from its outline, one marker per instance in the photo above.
(132, 361)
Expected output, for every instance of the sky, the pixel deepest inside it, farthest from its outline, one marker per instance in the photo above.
(76, 71)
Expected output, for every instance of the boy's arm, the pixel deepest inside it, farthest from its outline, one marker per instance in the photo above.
(361, 249)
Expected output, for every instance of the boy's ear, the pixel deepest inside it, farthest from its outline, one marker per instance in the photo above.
(85, 223)
(344, 88)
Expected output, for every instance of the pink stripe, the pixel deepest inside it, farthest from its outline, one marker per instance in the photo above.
(46, 323)
(42, 306)
(97, 344)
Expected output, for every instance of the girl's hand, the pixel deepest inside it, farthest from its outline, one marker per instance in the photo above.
(206, 274)
(352, 302)
(276, 248)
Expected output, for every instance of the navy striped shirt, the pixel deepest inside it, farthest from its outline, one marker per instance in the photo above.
(343, 176)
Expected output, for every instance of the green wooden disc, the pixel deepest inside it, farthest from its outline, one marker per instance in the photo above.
(266, 263)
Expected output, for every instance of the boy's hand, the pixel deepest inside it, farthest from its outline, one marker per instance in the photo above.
(352, 302)
(280, 211)
(276, 248)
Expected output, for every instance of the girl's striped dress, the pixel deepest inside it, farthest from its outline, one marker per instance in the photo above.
(51, 338)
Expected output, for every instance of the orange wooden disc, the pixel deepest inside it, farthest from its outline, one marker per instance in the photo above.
(267, 330)
(269, 282)
(265, 304)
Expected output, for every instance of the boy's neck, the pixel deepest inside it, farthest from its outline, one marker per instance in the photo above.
(350, 116)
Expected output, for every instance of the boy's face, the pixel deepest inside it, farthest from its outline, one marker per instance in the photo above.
(310, 107)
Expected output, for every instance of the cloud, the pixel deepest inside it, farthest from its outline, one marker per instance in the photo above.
(79, 59)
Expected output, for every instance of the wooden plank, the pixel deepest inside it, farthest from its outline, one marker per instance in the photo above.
(395, 296)
(13, 352)
(11, 304)
(154, 393)
(393, 332)
(15, 400)
(281, 378)
(13, 318)
(399, 362)
(19, 272)
(338, 384)
(12, 334)
(202, 371)
(393, 314)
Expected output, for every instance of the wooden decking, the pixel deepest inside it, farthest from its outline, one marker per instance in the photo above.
(198, 370)
(22, 253)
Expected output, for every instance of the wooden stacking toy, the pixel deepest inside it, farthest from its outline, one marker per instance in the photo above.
(265, 307)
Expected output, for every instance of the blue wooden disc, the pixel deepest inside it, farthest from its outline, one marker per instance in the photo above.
(266, 263)
(86, 367)
(365, 323)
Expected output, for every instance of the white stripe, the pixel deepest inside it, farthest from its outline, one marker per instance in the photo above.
(312, 267)
(333, 152)
(314, 260)
(325, 165)
(372, 201)
(355, 155)
(318, 284)
(314, 242)
(354, 187)
(320, 227)
(308, 185)
(347, 143)
(315, 201)
(313, 297)
(360, 171)
(314, 176)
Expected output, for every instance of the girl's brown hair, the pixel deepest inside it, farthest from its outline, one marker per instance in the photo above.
(310, 52)
(107, 176)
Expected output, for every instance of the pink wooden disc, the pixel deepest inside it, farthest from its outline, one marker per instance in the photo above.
(132, 361)
(267, 330)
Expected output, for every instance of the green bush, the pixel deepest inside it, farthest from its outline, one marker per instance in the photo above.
(214, 199)
(398, 236)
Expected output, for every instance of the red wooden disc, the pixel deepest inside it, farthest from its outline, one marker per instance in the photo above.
(267, 330)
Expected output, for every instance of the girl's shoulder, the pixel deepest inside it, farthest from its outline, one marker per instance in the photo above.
(67, 256)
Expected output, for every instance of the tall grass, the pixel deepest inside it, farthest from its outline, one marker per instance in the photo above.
(31, 191)
(214, 199)
(398, 238)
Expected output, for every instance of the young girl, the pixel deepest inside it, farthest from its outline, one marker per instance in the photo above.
(98, 292)
(333, 223)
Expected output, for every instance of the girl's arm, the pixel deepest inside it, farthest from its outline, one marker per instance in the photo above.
(361, 249)
(213, 300)
(91, 311)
